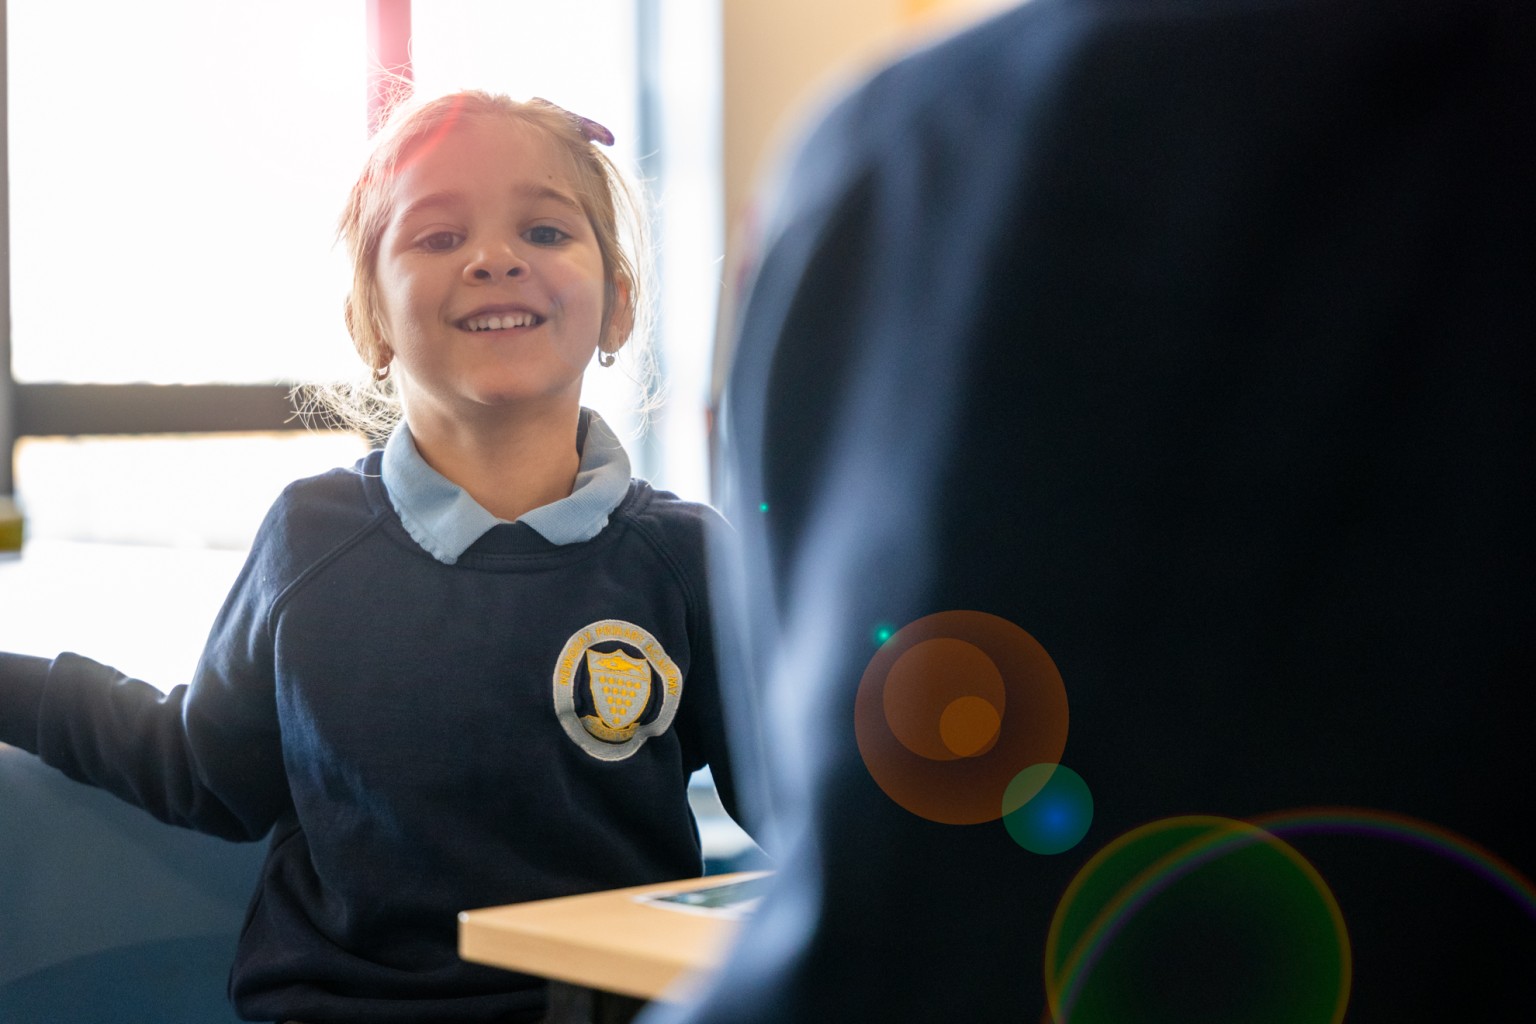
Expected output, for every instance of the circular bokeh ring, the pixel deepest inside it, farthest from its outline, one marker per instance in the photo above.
(951, 708)
(1137, 930)
(1047, 808)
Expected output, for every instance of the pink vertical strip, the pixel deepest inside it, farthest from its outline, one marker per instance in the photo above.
(389, 57)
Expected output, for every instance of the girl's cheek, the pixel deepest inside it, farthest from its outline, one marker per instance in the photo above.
(578, 297)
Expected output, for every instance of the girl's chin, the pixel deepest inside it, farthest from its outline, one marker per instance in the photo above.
(505, 391)
(520, 396)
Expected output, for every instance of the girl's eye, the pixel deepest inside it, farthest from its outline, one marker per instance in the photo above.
(440, 241)
(546, 235)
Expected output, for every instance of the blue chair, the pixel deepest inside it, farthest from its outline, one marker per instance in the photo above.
(108, 916)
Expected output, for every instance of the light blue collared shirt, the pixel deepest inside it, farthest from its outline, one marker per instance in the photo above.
(442, 517)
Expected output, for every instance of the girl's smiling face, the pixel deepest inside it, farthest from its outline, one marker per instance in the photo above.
(490, 280)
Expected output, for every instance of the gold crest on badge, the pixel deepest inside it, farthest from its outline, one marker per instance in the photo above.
(621, 687)
(633, 684)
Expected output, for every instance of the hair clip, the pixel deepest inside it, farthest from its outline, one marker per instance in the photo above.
(590, 129)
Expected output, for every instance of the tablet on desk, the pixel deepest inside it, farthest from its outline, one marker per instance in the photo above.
(731, 900)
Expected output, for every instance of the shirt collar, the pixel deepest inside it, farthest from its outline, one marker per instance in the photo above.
(442, 517)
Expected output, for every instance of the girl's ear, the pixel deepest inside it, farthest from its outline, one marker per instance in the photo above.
(366, 337)
(621, 316)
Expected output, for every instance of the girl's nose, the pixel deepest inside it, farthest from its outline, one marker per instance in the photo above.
(493, 262)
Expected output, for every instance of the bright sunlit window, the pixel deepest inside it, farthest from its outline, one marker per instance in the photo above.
(176, 170)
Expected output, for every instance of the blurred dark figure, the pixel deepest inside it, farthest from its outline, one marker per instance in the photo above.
(1198, 341)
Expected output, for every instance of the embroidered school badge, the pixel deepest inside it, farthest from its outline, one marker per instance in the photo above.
(615, 687)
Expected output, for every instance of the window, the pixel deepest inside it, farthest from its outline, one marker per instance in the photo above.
(176, 169)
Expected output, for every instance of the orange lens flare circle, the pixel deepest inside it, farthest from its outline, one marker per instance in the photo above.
(951, 708)
(939, 696)
(970, 726)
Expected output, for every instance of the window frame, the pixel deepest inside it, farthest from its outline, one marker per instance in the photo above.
(61, 409)
(70, 410)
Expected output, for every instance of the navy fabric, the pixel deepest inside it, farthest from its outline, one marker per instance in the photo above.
(1196, 340)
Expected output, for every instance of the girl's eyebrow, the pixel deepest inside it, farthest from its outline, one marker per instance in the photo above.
(434, 201)
(453, 197)
(546, 192)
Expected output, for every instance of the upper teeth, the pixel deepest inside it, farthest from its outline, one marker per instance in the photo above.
(496, 323)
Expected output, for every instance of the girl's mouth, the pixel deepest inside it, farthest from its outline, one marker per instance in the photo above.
(500, 321)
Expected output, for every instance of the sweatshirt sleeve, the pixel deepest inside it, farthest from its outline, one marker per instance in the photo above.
(22, 678)
(206, 755)
(711, 728)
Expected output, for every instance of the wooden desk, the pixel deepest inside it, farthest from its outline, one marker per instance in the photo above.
(605, 940)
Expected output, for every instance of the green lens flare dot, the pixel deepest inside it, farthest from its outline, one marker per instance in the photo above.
(1047, 808)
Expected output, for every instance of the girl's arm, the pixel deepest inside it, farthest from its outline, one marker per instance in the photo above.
(205, 755)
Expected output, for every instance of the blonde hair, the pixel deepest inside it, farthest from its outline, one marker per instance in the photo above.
(613, 207)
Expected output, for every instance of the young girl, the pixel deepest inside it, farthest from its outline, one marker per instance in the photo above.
(477, 668)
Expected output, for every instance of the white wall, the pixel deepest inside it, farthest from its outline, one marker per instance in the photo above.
(781, 56)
